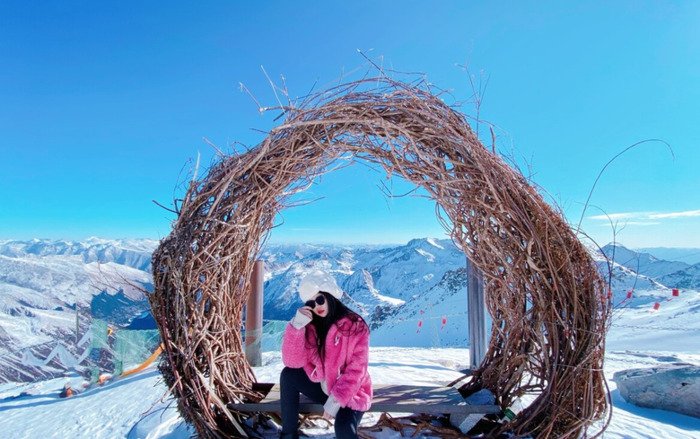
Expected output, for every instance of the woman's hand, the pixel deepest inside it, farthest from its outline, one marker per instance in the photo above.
(327, 416)
(302, 317)
(306, 311)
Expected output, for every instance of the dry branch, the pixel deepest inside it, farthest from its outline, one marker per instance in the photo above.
(548, 303)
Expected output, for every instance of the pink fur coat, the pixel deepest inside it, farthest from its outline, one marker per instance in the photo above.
(344, 369)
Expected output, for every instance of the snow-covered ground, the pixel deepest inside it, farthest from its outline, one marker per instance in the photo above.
(138, 406)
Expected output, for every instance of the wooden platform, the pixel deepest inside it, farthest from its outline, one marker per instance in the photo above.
(387, 398)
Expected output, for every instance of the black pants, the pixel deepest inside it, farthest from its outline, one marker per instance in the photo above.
(295, 381)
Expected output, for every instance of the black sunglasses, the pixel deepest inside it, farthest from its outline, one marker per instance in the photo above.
(312, 303)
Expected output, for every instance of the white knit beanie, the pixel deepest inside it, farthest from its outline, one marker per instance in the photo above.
(317, 281)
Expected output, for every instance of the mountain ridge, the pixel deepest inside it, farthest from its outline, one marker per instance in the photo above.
(409, 294)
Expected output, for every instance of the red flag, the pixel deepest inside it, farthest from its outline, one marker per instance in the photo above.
(656, 305)
(629, 294)
(675, 292)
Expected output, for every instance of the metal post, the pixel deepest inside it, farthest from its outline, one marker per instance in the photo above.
(476, 306)
(254, 316)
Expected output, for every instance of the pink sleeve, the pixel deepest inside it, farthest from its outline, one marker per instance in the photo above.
(295, 352)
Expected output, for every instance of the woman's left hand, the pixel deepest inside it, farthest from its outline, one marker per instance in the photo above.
(327, 416)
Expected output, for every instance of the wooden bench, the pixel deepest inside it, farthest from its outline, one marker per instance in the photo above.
(387, 398)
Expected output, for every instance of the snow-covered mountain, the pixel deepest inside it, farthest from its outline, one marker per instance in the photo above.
(135, 253)
(622, 279)
(687, 278)
(396, 289)
(673, 274)
(689, 255)
(47, 290)
(642, 263)
(411, 295)
(396, 282)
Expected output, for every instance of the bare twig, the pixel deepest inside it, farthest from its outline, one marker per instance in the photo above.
(600, 174)
(544, 293)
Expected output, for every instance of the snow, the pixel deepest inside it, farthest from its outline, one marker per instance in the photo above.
(138, 406)
(429, 257)
(429, 310)
(434, 242)
(389, 300)
(132, 407)
(42, 282)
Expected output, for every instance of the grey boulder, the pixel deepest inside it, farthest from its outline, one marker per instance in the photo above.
(674, 387)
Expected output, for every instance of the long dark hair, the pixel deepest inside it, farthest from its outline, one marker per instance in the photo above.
(336, 311)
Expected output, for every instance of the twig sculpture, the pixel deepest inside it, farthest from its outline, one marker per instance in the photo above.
(547, 300)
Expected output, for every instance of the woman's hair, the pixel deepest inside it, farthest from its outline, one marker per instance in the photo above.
(336, 311)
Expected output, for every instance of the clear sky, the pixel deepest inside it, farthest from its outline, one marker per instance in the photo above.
(104, 107)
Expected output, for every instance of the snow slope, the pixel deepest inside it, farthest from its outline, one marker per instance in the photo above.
(50, 292)
(413, 294)
(43, 281)
(138, 406)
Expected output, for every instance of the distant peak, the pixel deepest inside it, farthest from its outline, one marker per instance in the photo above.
(615, 244)
(416, 241)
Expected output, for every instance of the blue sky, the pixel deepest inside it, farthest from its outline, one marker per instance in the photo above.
(105, 106)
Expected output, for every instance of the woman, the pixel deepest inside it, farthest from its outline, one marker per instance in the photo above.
(326, 353)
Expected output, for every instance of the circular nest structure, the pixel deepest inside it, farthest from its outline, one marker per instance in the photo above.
(548, 303)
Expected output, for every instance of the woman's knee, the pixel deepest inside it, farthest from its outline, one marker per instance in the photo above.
(285, 374)
(290, 374)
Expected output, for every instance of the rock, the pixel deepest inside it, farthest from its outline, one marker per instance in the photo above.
(674, 387)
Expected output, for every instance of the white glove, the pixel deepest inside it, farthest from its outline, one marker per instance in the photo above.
(300, 319)
(331, 406)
